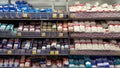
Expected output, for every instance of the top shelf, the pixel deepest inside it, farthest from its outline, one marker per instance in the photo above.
(64, 10)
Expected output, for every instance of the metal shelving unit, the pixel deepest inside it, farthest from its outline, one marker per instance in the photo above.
(66, 17)
(27, 52)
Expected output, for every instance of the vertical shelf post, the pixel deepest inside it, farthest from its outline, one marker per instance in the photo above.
(53, 5)
(67, 6)
(9, 1)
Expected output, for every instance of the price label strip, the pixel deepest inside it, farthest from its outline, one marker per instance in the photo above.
(56, 52)
(19, 34)
(34, 52)
(25, 15)
(72, 15)
(60, 35)
(61, 15)
(43, 34)
(9, 52)
(52, 52)
(54, 15)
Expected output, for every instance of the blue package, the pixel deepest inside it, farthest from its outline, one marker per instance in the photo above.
(23, 2)
(100, 63)
(106, 63)
(1, 11)
(13, 10)
(32, 10)
(1, 8)
(19, 10)
(49, 10)
(42, 10)
(17, 2)
(88, 64)
(71, 61)
(6, 8)
(37, 10)
(17, 45)
(26, 11)
(93, 63)
(20, 2)
(111, 64)
(11, 5)
(24, 8)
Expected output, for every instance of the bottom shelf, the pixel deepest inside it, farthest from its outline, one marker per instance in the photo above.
(59, 62)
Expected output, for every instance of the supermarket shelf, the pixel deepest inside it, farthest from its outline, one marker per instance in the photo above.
(61, 35)
(34, 35)
(95, 15)
(95, 52)
(28, 37)
(29, 52)
(33, 19)
(95, 35)
(32, 16)
(66, 16)
(10, 67)
(26, 54)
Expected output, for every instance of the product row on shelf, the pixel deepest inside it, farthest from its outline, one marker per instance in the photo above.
(64, 29)
(36, 62)
(96, 7)
(94, 11)
(23, 10)
(26, 7)
(60, 62)
(94, 47)
(59, 46)
(96, 44)
(74, 26)
(30, 46)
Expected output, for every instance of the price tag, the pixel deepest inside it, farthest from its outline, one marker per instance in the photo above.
(9, 52)
(52, 52)
(54, 15)
(19, 34)
(60, 34)
(61, 15)
(25, 15)
(56, 52)
(72, 15)
(34, 52)
(43, 34)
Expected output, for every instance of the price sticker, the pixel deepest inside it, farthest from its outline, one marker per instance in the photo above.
(43, 34)
(61, 15)
(9, 52)
(56, 52)
(34, 52)
(60, 34)
(72, 15)
(19, 34)
(25, 15)
(52, 52)
(54, 15)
